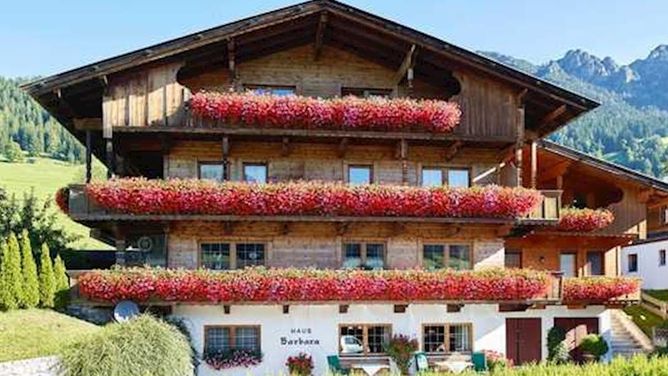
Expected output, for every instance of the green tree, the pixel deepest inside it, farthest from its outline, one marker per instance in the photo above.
(47, 281)
(62, 282)
(13, 153)
(30, 296)
(10, 273)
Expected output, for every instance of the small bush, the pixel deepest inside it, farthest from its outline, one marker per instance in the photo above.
(144, 346)
(62, 283)
(557, 350)
(401, 348)
(595, 345)
(30, 296)
(10, 274)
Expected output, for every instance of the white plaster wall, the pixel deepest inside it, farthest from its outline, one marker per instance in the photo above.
(653, 275)
(489, 331)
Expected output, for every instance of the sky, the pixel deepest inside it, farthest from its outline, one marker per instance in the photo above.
(42, 37)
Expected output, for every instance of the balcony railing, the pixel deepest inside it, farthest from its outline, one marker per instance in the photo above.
(137, 199)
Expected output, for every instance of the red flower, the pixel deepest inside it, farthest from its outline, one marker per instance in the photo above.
(62, 199)
(141, 196)
(584, 220)
(295, 285)
(598, 289)
(348, 113)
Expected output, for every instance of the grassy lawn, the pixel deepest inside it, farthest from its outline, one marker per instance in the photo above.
(645, 319)
(35, 332)
(45, 176)
(659, 294)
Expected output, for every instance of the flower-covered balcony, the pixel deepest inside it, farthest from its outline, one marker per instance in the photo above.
(141, 199)
(311, 286)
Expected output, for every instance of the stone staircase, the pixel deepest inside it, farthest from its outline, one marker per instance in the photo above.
(627, 338)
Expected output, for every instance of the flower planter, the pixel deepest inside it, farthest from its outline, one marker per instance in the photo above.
(584, 220)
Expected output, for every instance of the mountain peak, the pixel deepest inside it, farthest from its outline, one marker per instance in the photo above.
(584, 65)
(659, 53)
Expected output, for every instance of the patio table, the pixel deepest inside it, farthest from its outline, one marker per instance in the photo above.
(370, 369)
(454, 366)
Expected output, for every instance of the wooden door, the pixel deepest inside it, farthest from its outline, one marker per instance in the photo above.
(523, 340)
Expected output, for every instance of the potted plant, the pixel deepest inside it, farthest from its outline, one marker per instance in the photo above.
(300, 365)
(593, 347)
(496, 361)
(400, 348)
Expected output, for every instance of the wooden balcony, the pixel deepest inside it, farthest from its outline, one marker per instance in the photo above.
(84, 209)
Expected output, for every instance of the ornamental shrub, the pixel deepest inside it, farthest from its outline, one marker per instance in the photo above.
(557, 350)
(143, 346)
(401, 348)
(62, 283)
(595, 345)
(300, 365)
(47, 281)
(10, 274)
(30, 296)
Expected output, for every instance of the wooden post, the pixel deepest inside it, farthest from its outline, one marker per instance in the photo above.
(120, 251)
(226, 161)
(518, 163)
(109, 147)
(534, 164)
(560, 182)
(89, 156)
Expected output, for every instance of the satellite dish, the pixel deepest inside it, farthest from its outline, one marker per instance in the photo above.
(145, 243)
(125, 310)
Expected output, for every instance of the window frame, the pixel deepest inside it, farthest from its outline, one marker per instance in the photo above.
(365, 338)
(366, 92)
(363, 251)
(212, 163)
(662, 257)
(233, 333)
(445, 173)
(255, 164)
(635, 263)
(350, 166)
(446, 253)
(446, 338)
(515, 252)
(234, 264)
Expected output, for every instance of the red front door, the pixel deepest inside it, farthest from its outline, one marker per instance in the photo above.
(523, 340)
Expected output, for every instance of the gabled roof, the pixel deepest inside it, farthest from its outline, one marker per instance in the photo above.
(606, 166)
(80, 90)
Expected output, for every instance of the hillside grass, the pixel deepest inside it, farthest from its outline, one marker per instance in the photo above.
(645, 319)
(34, 333)
(45, 176)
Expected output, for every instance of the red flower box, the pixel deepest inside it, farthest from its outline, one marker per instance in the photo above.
(584, 220)
(598, 289)
(141, 196)
(347, 113)
(310, 285)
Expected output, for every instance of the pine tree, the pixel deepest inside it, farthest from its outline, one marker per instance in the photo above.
(30, 296)
(5, 296)
(10, 273)
(62, 282)
(47, 282)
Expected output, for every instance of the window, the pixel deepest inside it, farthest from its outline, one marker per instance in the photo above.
(360, 174)
(211, 171)
(271, 89)
(567, 264)
(458, 177)
(255, 172)
(662, 257)
(453, 177)
(432, 177)
(633, 263)
(361, 339)
(664, 215)
(368, 256)
(513, 259)
(366, 92)
(223, 338)
(217, 256)
(595, 263)
(250, 254)
(453, 256)
(446, 338)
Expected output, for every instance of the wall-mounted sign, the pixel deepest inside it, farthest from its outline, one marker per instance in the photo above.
(299, 337)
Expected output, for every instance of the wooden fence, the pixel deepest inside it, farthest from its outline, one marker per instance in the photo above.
(654, 305)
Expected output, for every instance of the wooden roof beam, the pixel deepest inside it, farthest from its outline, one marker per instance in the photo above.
(552, 116)
(452, 150)
(320, 36)
(406, 68)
